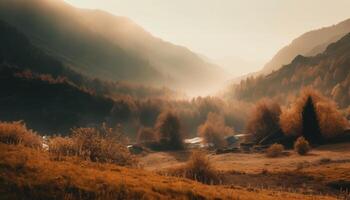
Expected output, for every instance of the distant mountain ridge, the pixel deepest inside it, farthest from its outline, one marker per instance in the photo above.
(109, 47)
(328, 72)
(308, 44)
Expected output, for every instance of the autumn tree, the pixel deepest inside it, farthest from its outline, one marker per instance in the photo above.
(310, 124)
(264, 119)
(168, 129)
(214, 130)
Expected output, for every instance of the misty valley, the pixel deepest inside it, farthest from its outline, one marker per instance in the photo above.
(93, 106)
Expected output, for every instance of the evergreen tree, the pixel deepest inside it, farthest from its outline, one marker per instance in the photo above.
(310, 125)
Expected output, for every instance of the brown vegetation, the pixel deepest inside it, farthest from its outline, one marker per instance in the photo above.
(264, 119)
(30, 174)
(198, 168)
(17, 133)
(145, 134)
(214, 130)
(60, 147)
(101, 144)
(301, 146)
(274, 150)
(331, 121)
(169, 130)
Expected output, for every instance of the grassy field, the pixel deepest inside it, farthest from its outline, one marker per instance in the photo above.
(324, 171)
(27, 173)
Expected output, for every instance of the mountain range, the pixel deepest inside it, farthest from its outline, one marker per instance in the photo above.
(101, 45)
(328, 72)
(308, 44)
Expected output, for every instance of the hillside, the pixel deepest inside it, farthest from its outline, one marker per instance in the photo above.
(106, 46)
(308, 44)
(328, 72)
(31, 174)
(51, 97)
(17, 50)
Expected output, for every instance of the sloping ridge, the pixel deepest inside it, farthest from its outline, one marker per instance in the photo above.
(328, 72)
(308, 44)
(107, 46)
(32, 90)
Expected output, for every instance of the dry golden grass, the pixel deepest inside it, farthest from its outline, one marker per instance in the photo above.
(101, 144)
(30, 174)
(60, 147)
(274, 151)
(17, 133)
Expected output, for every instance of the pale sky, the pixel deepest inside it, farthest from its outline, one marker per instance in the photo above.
(252, 30)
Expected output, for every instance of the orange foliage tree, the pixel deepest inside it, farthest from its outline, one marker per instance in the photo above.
(331, 121)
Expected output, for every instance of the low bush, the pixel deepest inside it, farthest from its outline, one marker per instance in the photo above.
(17, 133)
(198, 168)
(301, 146)
(275, 150)
(62, 146)
(101, 145)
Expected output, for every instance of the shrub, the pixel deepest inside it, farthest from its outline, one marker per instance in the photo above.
(214, 130)
(101, 145)
(168, 130)
(264, 119)
(62, 146)
(274, 150)
(301, 146)
(198, 168)
(146, 135)
(17, 133)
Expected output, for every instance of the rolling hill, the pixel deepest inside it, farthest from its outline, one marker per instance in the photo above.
(101, 45)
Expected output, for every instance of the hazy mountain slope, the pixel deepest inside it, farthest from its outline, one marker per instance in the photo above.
(17, 50)
(46, 104)
(328, 72)
(308, 44)
(52, 98)
(59, 31)
(106, 46)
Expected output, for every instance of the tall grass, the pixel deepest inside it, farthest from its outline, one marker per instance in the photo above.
(101, 144)
(17, 133)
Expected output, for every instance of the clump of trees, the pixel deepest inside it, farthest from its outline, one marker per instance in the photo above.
(214, 130)
(313, 116)
(169, 132)
(264, 119)
(146, 134)
(310, 115)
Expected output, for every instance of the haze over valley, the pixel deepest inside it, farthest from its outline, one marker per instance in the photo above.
(174, 99)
